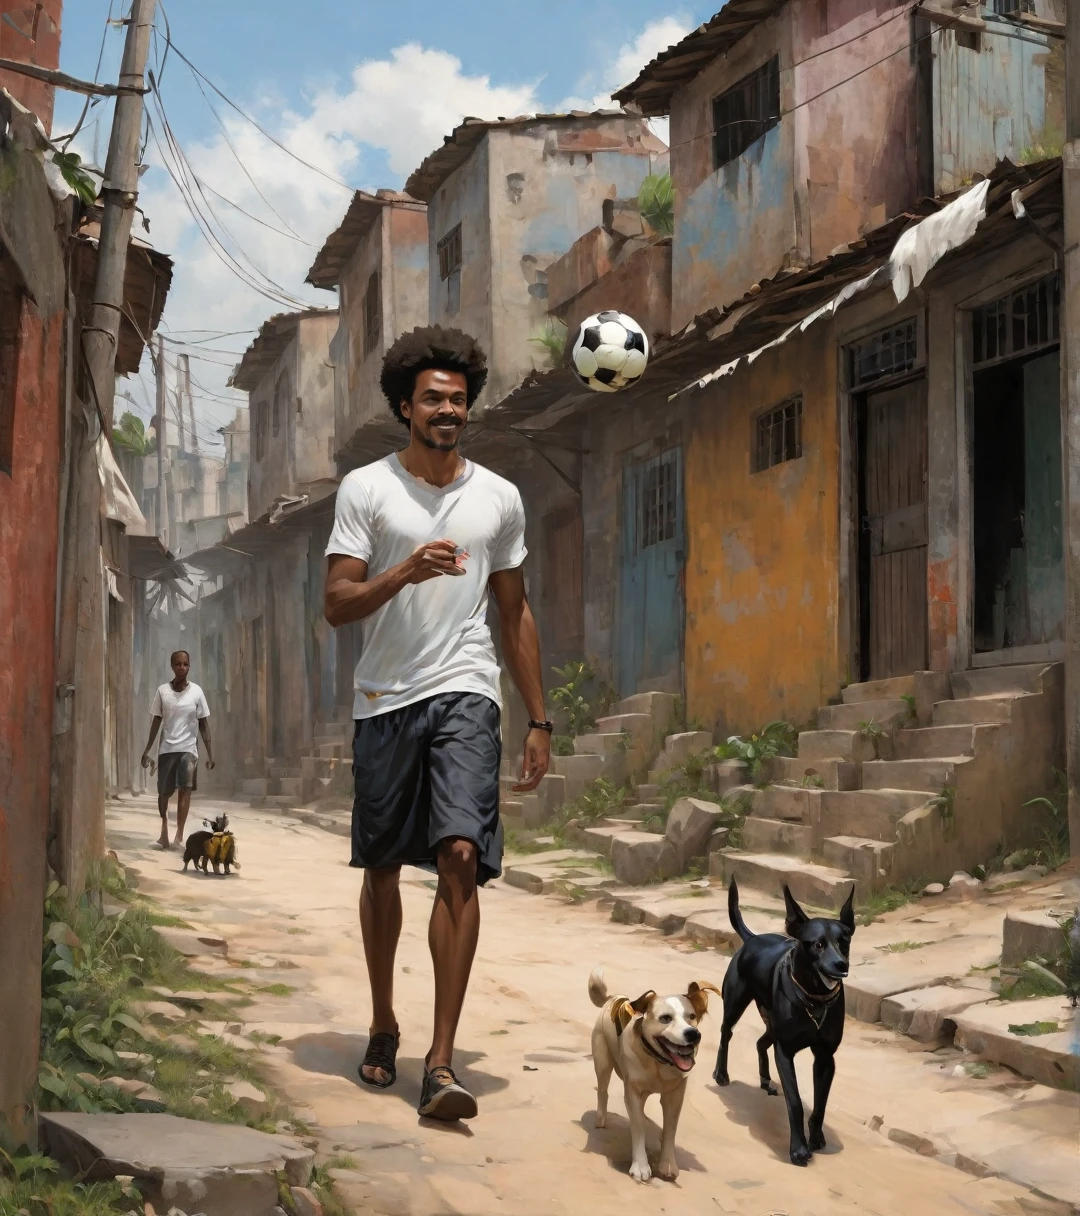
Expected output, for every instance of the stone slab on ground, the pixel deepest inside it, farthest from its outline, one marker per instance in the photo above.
(642, 857)
(542, 874)
(1026, 934)
(923, 1013)
(192, 942)
(1051, 1059)
(213, 1168)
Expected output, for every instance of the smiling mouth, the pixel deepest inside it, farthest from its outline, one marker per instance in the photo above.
(682, 1056)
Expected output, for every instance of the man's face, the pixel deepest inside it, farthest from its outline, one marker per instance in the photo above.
(439, 410)
(181, 664)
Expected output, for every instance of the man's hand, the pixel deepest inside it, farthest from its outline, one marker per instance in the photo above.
(209, 763)
(146, 759)
(535, 761)
(432, 560)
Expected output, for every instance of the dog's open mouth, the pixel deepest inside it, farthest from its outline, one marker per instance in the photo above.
(682, 1055)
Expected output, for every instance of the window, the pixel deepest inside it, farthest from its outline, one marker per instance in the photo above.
(281, 400)
(891, 352)
(372, 314)
(262, 412)
(658, 503)
(449, 250)
(1020, 323)
(10, 319)
(1008, 7)
(743, 114)
(778, 435)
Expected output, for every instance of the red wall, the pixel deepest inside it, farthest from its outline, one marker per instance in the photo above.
(31, 35)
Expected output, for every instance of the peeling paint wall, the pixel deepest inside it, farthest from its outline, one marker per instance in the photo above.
(763, 548)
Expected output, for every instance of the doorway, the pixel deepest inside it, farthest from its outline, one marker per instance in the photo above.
(1019, 569)
(651, 584)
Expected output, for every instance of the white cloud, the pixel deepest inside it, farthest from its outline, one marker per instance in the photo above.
(379, 108)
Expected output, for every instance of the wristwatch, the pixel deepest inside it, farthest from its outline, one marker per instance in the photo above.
(545, 725)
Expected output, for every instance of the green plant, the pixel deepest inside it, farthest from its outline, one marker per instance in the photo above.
(978, 1070)
(945, 805)
(902, 947)
(30, 1185)
(562, 745)
(626, 740)
(70, 166)
(878, 903)
(656, 203)
(773, 739)
(579, 712)
(873, 732)
(1031, 1029)
(1053, 837)
(909, 700)
(132, 437)
(812, 781)
(553, 339)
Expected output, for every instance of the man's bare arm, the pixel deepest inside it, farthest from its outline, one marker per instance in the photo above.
(204, 730)
(155, 724)
(521, 650)
(352, 596)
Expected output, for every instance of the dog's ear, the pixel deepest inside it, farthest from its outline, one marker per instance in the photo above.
(794, 917)
(698, 996)
(642, 1003)
(847, 912)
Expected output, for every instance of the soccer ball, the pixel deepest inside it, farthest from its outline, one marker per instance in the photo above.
(610, 352)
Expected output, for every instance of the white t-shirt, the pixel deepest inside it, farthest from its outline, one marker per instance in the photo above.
(431, 637)
(180, 713)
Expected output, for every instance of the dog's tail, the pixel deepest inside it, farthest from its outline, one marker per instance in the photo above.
(734, 915)
(598, 992)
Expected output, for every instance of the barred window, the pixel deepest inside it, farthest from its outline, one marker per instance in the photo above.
(658, 503)
(1007, 7)
(449, 250)
(1020, 323)
(778, 435)
(372, 313)
(744, 113)
(889, 353)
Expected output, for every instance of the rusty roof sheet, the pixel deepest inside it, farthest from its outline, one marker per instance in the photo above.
(460, 144)
(342, 243)
(267, 345)
(679, 64)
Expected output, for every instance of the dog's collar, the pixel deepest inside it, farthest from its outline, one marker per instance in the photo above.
(649, 1047)
(808, 1000)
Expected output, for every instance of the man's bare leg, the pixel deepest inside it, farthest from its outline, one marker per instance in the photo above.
(380, 925)
(452, 936)
(163, 811)
(183, 805)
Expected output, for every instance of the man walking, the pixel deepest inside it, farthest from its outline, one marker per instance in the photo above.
(180, 711)
(419, 540)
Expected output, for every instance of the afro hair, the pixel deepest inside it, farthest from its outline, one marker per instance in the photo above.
(428, 347)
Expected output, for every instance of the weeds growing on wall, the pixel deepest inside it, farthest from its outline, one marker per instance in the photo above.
(772, 740)
(1052, 847)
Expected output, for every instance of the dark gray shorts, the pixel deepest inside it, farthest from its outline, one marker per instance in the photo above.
(177, 771)
(426, 773)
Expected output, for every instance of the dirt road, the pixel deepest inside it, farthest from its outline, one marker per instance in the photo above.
(290, 916)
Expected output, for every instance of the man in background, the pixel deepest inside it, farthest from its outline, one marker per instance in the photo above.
(181, 713)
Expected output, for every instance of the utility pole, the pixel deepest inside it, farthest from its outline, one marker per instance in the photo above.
(1070, 413)
(190, 401)
(119, 193)
(159, 426)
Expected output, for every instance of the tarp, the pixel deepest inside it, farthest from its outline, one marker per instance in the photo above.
(120, 503)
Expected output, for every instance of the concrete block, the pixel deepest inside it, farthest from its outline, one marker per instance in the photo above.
(642, 857)
(926, 1014)
(689, 826)
(1026, 934)
(1050, 1059)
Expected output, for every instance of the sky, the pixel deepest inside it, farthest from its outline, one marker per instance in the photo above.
(360, 90)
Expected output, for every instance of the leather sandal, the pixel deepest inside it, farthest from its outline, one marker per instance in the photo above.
(381, 1053)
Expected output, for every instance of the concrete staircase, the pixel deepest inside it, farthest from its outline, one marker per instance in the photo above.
(852, 808)
(324, 773)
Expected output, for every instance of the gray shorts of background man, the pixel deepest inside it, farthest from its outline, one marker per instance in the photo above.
(420, 539)
(179, 709)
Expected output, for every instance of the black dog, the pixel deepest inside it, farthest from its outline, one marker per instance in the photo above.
(195, 846)
(798, 988)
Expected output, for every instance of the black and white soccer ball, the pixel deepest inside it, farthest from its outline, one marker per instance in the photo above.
(610, 352)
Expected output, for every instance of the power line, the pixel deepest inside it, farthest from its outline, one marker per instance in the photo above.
(91, 101)
(289, 236)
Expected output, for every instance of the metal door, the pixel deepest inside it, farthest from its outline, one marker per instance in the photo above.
(895, 529)
(651, 590)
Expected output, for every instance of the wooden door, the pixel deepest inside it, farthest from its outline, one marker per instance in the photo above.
(651, 591)
(895, 530)
(563, 578)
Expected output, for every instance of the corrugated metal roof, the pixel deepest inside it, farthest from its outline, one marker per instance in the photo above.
(459, 145)
(679, 64)
(342, 243)
(273, 336)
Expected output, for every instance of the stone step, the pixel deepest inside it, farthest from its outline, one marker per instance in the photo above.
(599, 836)
(551, 790)
(647, 792)
(510, 812)
(990, 681)
(777, 836)
(929, 742)
(794, 770)
(640, 727)
(578, 771)
(847, 745)
(598, 744)
(970, 710)
(641, 857)
(868, 861)
(892, 689)
(1050, 1059)
(810, 883)
(660, 706)
(534, 810)
(293, 786)
(788, 802)
(283, 802)
(641, 810)
(886, 714)
(331, 751)
(678, 748)
(927, 775)
(624, 822)
(869, 814)
(277, 770)
(255, 787)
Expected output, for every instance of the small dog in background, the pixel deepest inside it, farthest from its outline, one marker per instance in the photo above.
(216, 847)
(651, 1043)
(797, 983)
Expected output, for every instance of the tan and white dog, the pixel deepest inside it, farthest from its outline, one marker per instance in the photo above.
(651, 1043)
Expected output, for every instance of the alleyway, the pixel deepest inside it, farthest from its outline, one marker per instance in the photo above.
(289, 917)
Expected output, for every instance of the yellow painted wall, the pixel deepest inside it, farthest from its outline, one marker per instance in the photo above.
(762, 566)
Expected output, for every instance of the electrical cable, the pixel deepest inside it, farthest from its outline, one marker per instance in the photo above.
(66, 141)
